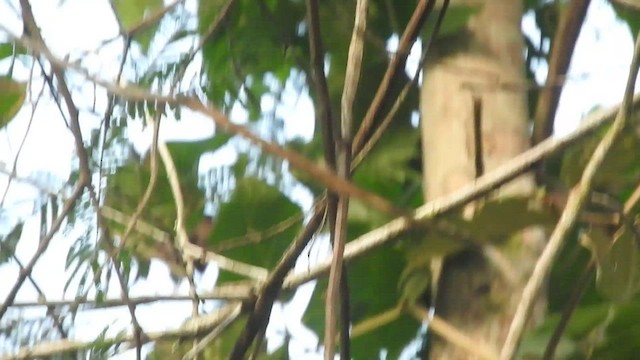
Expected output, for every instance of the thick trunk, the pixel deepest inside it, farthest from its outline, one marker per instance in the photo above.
(486, 68)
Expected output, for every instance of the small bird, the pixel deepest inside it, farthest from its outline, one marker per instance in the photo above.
(200, 236)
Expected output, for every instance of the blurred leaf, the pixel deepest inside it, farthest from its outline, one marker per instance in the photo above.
(220, 348)
(10, 49)
(373, 285)
(9, 242)
(497, 219)
(244, 225)
(454, 20)
(256, 39)
(132, 13)
(618, 263)
(621, 335)
(12, 95)
(619, 169)
(627, 11)
(127, 186)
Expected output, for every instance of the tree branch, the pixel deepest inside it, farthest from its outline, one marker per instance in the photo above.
(576, 201)
(482, 186)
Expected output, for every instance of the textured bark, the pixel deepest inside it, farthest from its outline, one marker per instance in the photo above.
(485, 63)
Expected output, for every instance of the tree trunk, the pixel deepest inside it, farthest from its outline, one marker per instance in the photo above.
(482, 68)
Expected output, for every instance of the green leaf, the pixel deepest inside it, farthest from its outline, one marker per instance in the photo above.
(256, 39)
(621, 336)
(628, 12)
(10, 49)
(131, 13)
(619, 170)
(127, 186)
(12, 95)
(618, 261)
(246, 225)
(454, 20)
(9, 243)
(373, 290)
(497, 219)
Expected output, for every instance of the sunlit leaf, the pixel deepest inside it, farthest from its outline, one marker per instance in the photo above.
(131, 13)
(12, 95)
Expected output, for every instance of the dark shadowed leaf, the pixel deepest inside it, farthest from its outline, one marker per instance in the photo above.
(256, 225)
(374, 290)
(618, 260)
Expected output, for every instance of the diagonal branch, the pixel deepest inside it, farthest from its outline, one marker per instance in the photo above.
(482, 186)
(396, 66)
(261, 308)
(576, 201)
(564, 43)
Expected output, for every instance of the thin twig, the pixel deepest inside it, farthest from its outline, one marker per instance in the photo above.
(190, 329)
(206, 340)
(191, 250)
(396, 66)
(261, 308)
(577, 199)
(361, 153)
(572, 303)
(84, 179)
(338, 279)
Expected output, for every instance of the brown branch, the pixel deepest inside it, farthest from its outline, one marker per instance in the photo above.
(338, 286)
(134, 93)
(576, 201)
(261, 308)
(84, 179)
(396, 66)
(361, 153)
(564, 43)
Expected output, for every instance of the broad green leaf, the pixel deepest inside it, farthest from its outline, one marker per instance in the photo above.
(131, 13)
(256, 225)
(618, 263)
(12, 95)
(621, 336)
(127, 186)
(386, 170)
(497, 219)
(619, 170)
(373, 290)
